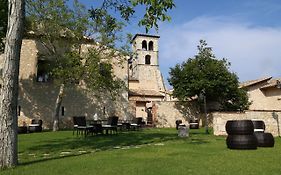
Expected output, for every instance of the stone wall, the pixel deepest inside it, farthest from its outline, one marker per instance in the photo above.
(165, 113)
(269, 118)
(137, 48)
(266, 99)
(37, 99)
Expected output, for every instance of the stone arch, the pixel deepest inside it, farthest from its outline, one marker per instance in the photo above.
(150, 45)
(147, 59)
(144, 45)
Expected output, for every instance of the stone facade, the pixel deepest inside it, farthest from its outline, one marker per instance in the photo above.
(263, 93)
(146, 84)
(270, 118)
(147, 96)
(144, 72)
(167, 112)
(265, 97)
(37, 99)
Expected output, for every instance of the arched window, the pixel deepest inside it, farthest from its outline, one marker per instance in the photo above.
(144, 45)
(150, 45)
(147, 59)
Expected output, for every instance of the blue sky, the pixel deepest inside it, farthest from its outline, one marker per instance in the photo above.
(246, 32)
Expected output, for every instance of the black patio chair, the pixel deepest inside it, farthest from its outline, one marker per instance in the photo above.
(97, 128)
(137, 123)
(35, 126)
(111, 125)
(80, 125)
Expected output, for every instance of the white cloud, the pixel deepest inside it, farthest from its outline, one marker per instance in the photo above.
(253, 51)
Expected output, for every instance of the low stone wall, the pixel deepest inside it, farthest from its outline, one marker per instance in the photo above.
(270, 119)
(165, 113)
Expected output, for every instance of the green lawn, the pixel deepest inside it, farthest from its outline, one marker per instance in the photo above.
(151, 151)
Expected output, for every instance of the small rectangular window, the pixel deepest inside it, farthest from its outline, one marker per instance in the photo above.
(105, 69)
(43, 74)
(147, 59)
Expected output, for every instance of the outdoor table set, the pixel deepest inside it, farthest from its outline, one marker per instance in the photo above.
(35, 126)
(110, 126)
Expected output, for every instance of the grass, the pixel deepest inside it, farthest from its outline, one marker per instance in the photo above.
(151, 151)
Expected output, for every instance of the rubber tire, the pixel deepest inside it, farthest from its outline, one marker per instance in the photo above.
(259, 124)
(239, 127)
(241, 142)
(264, 139)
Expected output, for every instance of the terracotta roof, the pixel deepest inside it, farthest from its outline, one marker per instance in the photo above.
(145, 35)
(253, 82)
(271, 83)
(143, 92)
(140, 99)
(133, 78)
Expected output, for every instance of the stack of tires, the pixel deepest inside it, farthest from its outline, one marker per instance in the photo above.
(263, 139)
(194, 124)
(240, 134)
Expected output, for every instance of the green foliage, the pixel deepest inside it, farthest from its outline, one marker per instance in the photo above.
(68, 69)
(155, 11)
(90, 70)
(98, 74)
(62, 30)
(54, 19)
(205, 72)
(3, 22)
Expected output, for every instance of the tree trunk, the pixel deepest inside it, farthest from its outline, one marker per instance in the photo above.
(57, 108)
(9, 91)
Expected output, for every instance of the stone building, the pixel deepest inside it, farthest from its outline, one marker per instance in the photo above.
(264, 93)
(145, 97)
(38, 93)
(265, 97)
(146, 83)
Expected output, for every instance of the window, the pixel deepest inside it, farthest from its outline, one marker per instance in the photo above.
(43, 71)
(144, 45)
(150, 45)
(105, 69)
(147, 59)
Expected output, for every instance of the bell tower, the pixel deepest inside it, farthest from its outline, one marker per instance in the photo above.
(145, 48)
(144, 71)
(145, 80)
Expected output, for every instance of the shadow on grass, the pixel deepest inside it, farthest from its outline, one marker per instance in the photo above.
(72, 143)
(198, 141)
(50, 158)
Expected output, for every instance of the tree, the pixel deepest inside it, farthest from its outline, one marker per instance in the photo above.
(3, 22)
(55, 20)
(9, 90)
(155, 10)
(206, 73)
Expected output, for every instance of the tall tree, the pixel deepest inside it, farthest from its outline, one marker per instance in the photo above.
(61, 30)
(55, 20)
(205, 73)
(9, 90)
(3, 22)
